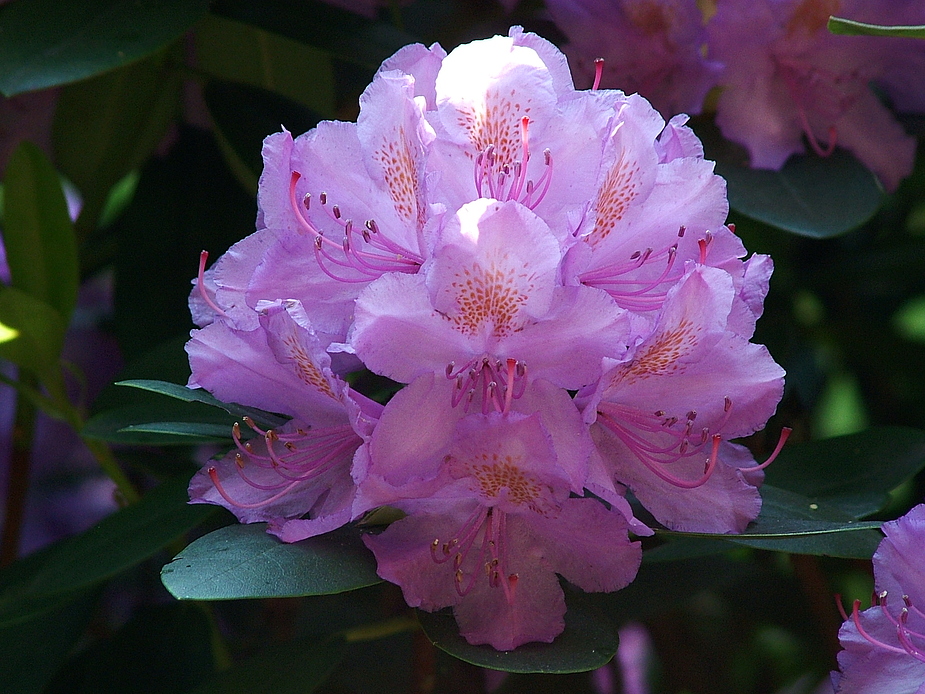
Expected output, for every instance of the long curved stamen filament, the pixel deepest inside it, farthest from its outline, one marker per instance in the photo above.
(201, 285)
(498, 383)
(784, 435)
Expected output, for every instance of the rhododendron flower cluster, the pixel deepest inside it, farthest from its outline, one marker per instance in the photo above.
(783, 77)
(884, 646)
(547, 274)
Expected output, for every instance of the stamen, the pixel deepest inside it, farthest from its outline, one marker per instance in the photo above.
(499, 383)
(784, 435)
(201, 285)
(598, 72)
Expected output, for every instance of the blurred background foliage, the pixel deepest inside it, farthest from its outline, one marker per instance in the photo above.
(152, 115)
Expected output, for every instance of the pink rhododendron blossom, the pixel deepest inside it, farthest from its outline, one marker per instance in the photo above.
(653, 47)
(884, 646)
(494, 240)
(302, 468)
(787, 77)
(662, 416)
(491, 537)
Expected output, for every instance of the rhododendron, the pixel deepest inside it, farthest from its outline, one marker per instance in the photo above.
(884, 646)
(495, 241)
(653, 47)
(787, 77)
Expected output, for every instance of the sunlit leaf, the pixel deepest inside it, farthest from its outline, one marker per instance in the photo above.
(35, 332)
(849, 27)
(243, 561)
(587, 643)
(44, 43)
(50, 577)
(38, 235)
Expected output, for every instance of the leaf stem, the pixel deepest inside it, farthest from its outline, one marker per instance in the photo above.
(111, 467)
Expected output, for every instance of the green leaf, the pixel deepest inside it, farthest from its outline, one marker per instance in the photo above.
(33, 333)
(343, 34)
(261, 417)
(107, 126)
(243, 561)
(235, 52)
(120, 541)
(791, 522)
(587, 643)
(853, 473)
(34, 649)
(38, 235)
(810, 196)
(297, 667)
(165, 423)
(44, 43)
(849, 27)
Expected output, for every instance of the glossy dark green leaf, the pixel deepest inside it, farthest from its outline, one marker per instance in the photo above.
(343, 34)
(243, 561)
(162, 648)
(120, 541)
(849, 27)
(297, 667)
(35, 648)
(791, 522)
(232, 51)
(587, 643)
(810, 196)
(107, 126)
(261, 417)
(45, 43)
(166, 423)
(38, 235)
(853, 473)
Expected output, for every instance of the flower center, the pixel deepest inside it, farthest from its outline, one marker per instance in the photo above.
(498, 382)
(489, 557)
(499, 175)
(292, 458)
(363, 254)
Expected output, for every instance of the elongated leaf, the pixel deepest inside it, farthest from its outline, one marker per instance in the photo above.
(107, 126)
(38, 235)
(236, 52)
(791, 522)
(587, 643)
(297, 667)
(169, 423)
(33, 332)
(852, 473)
(343, 34)
(51, 42)
(50, 577)
(243, 561)
(849, 27)
(179, 392)
(809, 196)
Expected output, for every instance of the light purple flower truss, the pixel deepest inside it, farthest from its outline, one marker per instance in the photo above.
(884, 646)
(494, 240)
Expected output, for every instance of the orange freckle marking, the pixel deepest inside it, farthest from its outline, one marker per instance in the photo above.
(616, 194)
(661, 357)
(495, 472)
(401, 178)
(489, 297)
(305, 367)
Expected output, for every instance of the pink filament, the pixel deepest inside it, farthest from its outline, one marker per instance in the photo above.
(201, 284)
(498, 382)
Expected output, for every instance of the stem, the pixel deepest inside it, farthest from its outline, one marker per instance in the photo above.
(111, 467)
(18, 484)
